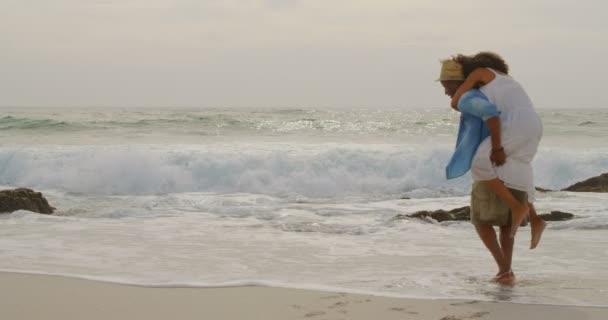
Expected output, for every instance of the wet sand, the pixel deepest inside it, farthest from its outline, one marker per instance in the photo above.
(24, 296)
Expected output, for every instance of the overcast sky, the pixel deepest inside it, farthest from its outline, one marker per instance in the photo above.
(292, 53)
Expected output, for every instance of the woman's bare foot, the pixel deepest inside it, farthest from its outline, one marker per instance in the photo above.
(517, 216)
(537, 226)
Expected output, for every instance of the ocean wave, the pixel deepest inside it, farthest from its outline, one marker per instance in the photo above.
(229, 122)
(143, 170)
(13, 123)
(316, 171)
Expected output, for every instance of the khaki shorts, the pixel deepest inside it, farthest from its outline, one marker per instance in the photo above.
(488, 208)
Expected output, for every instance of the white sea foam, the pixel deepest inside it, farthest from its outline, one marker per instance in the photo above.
(211, 240)
(307, 170)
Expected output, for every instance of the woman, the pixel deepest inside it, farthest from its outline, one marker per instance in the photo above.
(504, 160)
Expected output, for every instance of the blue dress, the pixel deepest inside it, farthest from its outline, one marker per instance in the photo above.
(475, 109)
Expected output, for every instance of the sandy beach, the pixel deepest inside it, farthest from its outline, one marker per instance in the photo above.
(24, 296)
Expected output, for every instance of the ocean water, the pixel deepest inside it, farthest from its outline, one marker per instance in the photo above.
(299, 198)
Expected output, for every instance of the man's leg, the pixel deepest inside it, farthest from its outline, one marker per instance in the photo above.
(506, 244)
(488, 237)
(519, 210)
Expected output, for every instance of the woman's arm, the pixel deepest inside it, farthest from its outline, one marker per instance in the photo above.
(498, 155)
(479, 76)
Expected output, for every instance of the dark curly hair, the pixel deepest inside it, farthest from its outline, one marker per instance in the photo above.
(484, 59)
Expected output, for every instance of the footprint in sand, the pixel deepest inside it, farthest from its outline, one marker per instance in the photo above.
(403, 310)
(463, 303)
(335, 296)
(338, 304)
(478, 315)
(472, 316)
(314, 314)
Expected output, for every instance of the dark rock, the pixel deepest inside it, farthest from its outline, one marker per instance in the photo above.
(557, 216)
(24, 199)
(464, 214)
(458, 214)
(587, 123)
(405, 198)
(595, 184)
(539, 189)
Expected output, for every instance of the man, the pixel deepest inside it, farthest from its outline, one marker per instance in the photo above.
(487, 209)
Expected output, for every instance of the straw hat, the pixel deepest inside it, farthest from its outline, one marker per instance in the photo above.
(451, 71)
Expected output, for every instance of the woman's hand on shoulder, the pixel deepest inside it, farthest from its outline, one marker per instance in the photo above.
(454, 103)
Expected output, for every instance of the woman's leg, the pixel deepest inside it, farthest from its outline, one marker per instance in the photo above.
(519, 210)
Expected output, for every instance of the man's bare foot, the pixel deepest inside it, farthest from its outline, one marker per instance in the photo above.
(506, 278)
(517, 216)
(537, 226)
